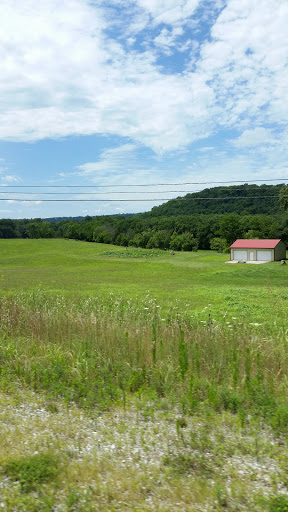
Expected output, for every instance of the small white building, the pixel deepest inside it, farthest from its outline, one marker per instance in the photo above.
(257, 250)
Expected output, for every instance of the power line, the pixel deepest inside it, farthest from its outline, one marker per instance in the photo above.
(139, 200)
(144, 184)
(128, 192)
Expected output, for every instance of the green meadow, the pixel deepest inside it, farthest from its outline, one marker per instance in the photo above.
(188, 281)
(134, 380)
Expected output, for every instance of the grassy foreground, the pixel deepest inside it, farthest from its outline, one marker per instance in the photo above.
(122, 391)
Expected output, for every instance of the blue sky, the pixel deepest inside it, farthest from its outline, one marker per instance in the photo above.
(109, 94)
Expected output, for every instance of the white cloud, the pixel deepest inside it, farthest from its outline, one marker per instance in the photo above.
(122, 173)
(114, 160)
(213, 168)
(168, 38)
(205, 149)
(9, 178)
(255, 137)
(246, 62)
(124, 164)
(61, 74)
(169, 11)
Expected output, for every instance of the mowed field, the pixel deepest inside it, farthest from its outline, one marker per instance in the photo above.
(136, 381)
(188, 281)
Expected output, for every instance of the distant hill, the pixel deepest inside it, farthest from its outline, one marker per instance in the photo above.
(58, 219)
(224, 200)
(88, 217)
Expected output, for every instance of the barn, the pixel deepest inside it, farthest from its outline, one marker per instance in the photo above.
(257, 250)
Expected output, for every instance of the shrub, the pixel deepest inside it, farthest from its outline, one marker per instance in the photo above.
(219, 244)
(32, 471)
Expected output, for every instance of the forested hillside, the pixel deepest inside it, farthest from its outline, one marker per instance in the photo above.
(186, 224)
(240, 199)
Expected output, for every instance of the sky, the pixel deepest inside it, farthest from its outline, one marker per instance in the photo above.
(124, 101)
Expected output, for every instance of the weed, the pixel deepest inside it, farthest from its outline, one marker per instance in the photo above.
(183, 354)
(281, 417)
(180, 464)
(278, 504)
(221, 496)
(73, 499)
(33, 471)
(52, 407)
(229, 400)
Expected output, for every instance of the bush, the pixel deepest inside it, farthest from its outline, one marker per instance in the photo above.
(32, 471)
(219, 245)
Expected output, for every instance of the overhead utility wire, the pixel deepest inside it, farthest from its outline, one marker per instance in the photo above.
(139, 200)
(143, 185)
(122, 192)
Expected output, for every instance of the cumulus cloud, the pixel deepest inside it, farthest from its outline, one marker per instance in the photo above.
(61, 75)
(65, 72)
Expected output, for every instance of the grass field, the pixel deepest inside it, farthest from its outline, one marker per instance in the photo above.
(133, 380)
(190, 281)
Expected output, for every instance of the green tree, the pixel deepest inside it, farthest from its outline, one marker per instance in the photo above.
(122, 239)
(72, 231)
(218, 244)
(8, 229)
(252, 234)
(230, 228)
(283, 197)
(159, 239)
(183, 242)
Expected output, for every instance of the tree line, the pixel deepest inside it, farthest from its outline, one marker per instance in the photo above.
(162, 228)
(179, 232)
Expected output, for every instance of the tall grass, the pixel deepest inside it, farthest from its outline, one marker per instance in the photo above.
(96, 351)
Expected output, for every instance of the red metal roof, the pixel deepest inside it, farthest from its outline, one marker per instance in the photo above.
(255, 244)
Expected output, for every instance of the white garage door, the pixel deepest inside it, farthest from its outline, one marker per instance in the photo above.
(264, 256)
(240, 255)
